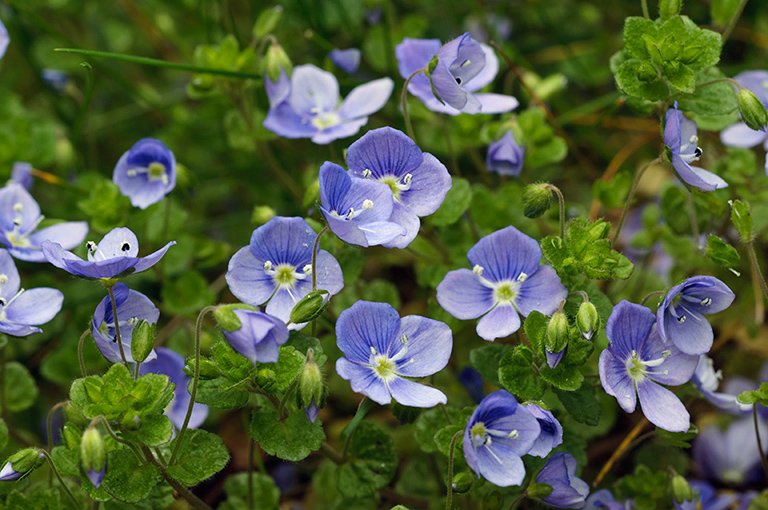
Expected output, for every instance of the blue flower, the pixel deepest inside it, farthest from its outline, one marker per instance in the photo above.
(22, 310)
(705, 497)
(707, 380)
(132, 307)
(680, 316)
(21, 173)
(681, 137)
(115, 254)
(739, 134)
(419, 182)
(4, 39)
(505, 156)
(568, 491)
(729, 456)
(498, 433)
(348, 60)
(311, 110)
(259, 337)
(276, 267)
(551, 431)
(170, 363)
(636, 360)
(146, 172)
(464, 66)
(357, 210)
(312, 411)
(19, 218)
(381, 350)
(603, 499)
(505, 280)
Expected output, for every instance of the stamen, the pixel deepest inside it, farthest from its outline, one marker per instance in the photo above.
(18, 207)
(465, 64)
(698, 152)
(2, 301)
(373, 350)
(17, 221)
(125, 247)
(351, 214)
(404, 339)
(408, 178)
(307, 269)
(681, 319)
(522, 277)
(666, 353)
(458, 80)
(267, 266)
(366, 173)
(513, 434)
(694, 139)
(367, 204)
(3, 279)
(706, 301)
(478, 269)
(92, 247)
(132, 172)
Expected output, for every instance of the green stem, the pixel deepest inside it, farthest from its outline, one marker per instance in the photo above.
(694, 220)
(518, 500)
(117, 325)
(251, 448)
(136, 370)
(195, 379)
(759, 441)
(719, 80)
(560, 199)
(78, 126)
(80, 351)
(161, 63)
(49, 425)
(651, 294)
(756, 268)
(58, 477)
(404, 103)
(449, 482)
(646, 12)
(185, 493)
(732, 24)
(631, 196)
(349, 430)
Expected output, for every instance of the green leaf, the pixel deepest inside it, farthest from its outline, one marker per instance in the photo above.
(613, 193)
(201, 455)
(455, 204)
(635, 28)
(711, 100)
(563, 376)
(542, 147)
(105, 206)
(373, 462)
(266, 495)
(287, 368)
(486, 360)
(430, 422)
(721, 252)
(125, 479)
(535, 327)
(723, 10)
(3, 434)
(628, 81)
(155, 430)
(517, 375)
(292, 440)
(678, 439)
(47, 499)
(20, 388)
(581, 404)
(760, 502)
(702, 49)
(232, 364)
(210, 392)
(681, 77)
(187, 294)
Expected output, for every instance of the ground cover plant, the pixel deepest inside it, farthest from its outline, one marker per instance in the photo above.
(340, 254)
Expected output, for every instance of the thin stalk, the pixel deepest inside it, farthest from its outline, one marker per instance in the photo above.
(631, 196)
(80, 350)
(77, 129)
(623, 447)
(759, 301)
(332, 454)
(404, 103)
(759, 442)
(646, 12)
(195, 379)
(108, 429)
(449, 482)
(561, 199)
(518, 500)
(58, 477)
(732, 23)
(161, 63)
(694, 220)
(756, 267)
(251, 447)
(136, 371)
(349, 430)
(117, 326)
(185, 493)
(286, 395)
(651, 294)
(49, 429)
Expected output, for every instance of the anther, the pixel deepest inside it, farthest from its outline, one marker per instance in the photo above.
(367, 204)
(478, 269)
(351, 213)
(404, 339)
(465, 64)
(2, 301)
(17, 222)
(92, 247)
(698, 152)
(125, 247)
(666, 353)
(408, 178)
(522, 277)
(18, 207)
(513, 434)
(681, 319)
(458, 80)
(694, 139)
(706, 301)
(366, 173)
(307, 269)
(3, 279)
(373, 350)
(132, 172)
(267, 265)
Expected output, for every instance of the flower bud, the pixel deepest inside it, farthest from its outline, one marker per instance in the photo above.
(462, 482)
(265, 378)
(262, 214)
(21, 463)
(208, 369)
(226, 318)
(537, 198)
(539, 490)
(93, 455)
(267, 21)
(587, 320)
(143, 340)
(681, 489)
(276, 60)
(752, 110)
(311, 387)
(310, 306)
(556, 338)
(741, 217)
(669, 8)
(647, 72)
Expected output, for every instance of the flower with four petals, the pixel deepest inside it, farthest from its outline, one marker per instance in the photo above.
(146, 172)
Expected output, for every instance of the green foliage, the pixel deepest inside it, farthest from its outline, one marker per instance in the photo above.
(678, 439)
(200, 456)
(127, 479)
(721, 252)
(46, 499)
(372, 464)
(758, 396)
(456, 203)
(20, 388)
(290, 439)
(105, 206)
(581, 404)
(542, 146)
(432, 421)
(486, 360)
(187, 294)
(265, 493)
(518, 375)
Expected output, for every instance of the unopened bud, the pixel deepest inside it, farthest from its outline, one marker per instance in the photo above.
(310, 306)
(93, 455)
(537, 198)
(539, 490)
(267, 21)
(226, 318)
(681, 489)
(647, 72)
(556, 338)
(752, 110)
(262, 214)
(21, 463)
(277, 60)
(587, 320)
(265, 378)
(741, 216)
(208, 369)
(311, 386)
(669, 8)
(462, 482)
(143, 340)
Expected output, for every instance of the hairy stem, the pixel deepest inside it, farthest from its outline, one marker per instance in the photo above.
(185, 493)
(449, 482)
(117, 325)
(631, 196)
(80, 351)
(733, 20)
(759, 441)
(560, 199)
(404, 103)
(59, 478)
